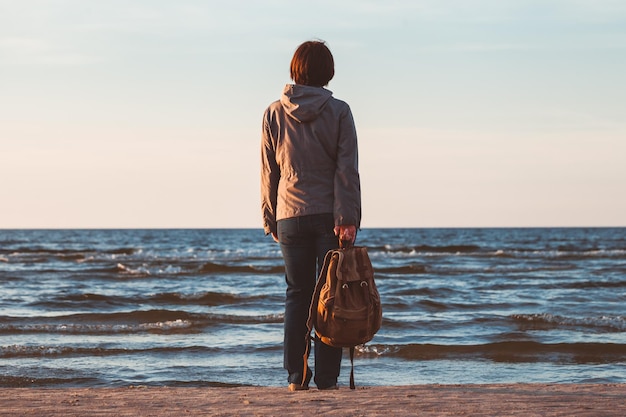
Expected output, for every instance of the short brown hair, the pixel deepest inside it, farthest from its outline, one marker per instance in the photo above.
(312, 64)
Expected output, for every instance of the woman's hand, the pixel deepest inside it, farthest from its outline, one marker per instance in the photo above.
(346, 233)
(275, 237)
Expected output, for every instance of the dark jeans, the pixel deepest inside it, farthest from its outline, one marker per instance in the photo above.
(304, 242)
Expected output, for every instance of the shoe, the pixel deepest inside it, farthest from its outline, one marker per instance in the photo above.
(331, 388)
(298, 387)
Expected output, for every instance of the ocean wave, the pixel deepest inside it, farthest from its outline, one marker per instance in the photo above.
(35, 255)
(563, 254)
(184, 268)
(422, 249)
(204, 298)
(93, 301)
(145, 270)
(423, 292)
(210, 267)
(169, 326)
(475, 251)
(510, 351)
(404, 269)
(587, 284)
(545, 321)
(541, 284)
(25, 351)
(142, 321)
(575, 255)
(71, 252)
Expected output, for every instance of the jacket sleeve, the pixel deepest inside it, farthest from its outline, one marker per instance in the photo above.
(270, 176)
(347, 204)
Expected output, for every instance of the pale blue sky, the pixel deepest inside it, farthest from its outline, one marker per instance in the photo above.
(469, 113)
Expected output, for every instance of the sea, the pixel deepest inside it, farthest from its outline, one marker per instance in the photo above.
(204, 307)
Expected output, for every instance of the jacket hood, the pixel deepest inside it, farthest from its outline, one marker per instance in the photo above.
(304, 103)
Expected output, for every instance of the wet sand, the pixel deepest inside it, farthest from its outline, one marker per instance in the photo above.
(423, 400)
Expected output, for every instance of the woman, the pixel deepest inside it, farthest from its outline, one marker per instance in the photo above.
(311, 196)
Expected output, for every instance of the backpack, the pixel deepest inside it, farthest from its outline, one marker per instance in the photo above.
(345, 309)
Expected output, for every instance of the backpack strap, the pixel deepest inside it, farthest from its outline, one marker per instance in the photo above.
(352, 386)
(345, 245)
(313, 311)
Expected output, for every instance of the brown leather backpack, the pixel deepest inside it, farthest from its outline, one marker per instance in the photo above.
(345, 309)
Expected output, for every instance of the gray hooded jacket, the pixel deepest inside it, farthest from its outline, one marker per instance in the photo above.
(309, 158)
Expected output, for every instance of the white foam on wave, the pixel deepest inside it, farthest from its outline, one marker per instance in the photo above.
(125, 269)
(166, 325)
(145, 270)
(82, 328)
(612, 322)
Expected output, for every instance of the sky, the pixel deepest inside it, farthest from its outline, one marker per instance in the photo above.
(469, 113)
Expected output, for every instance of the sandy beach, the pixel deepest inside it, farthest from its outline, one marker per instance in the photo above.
(423, 400)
